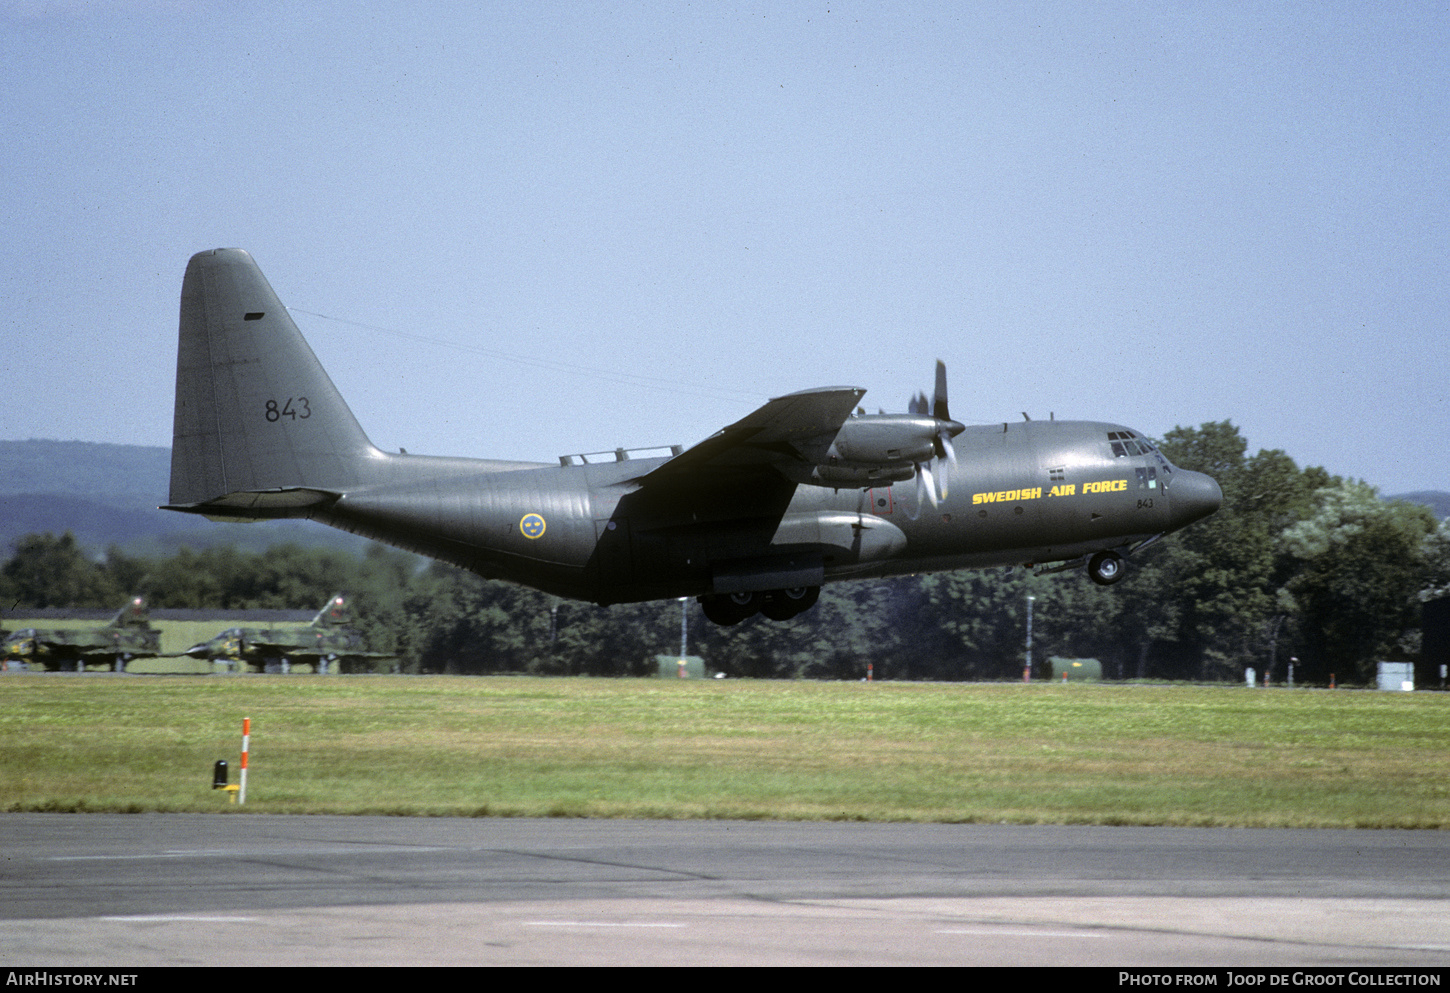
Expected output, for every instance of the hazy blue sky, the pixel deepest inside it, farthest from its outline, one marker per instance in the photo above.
(539, 228)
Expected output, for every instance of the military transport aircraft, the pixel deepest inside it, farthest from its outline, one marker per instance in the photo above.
(128, 636)
(329, 638)
(755, 518)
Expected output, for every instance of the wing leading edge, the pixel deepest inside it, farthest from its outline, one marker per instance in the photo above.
(790, 434)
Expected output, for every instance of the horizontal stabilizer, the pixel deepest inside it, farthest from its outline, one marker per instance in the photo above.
(259, 504)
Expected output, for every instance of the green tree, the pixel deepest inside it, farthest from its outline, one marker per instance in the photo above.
(47, 571)
(981, 621)
(619, 640)
(1205, 600)
(1437, 563)
(1361, 567)
(464, 624)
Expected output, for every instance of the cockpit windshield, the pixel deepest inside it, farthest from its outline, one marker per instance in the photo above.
(1127, 443)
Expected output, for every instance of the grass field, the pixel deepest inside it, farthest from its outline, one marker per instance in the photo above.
(1045, 753)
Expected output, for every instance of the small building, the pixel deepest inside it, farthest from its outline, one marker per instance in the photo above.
(1395, 675)
(680, 666)
(1066, 670)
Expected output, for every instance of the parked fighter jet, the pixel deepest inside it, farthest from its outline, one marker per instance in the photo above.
(754, 518)
(128, 636)
(327, 639)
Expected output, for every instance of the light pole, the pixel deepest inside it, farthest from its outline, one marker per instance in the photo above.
(1027, 672)
(684, 624)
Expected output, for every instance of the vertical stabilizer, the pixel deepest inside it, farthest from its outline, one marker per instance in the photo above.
(133, 615)
(334, 615)
(255, 411)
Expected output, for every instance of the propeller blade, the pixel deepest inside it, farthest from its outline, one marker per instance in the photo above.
(939, 398)
(923, 474)
(935, 490)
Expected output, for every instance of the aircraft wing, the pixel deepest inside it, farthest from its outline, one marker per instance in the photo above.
(109, 651)
(293, 649)
(788, 433)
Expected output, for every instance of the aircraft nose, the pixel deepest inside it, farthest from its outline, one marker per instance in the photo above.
(1193, 497)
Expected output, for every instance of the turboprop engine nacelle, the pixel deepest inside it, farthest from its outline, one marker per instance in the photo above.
(884, 439)
(877, 448)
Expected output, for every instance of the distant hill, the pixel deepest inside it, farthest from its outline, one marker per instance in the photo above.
(109, 494)
(1437, 500)
(136, 477)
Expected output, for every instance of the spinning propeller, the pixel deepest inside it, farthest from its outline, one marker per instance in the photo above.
(946, 430)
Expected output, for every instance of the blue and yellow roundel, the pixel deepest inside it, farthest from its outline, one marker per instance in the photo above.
(532, 526)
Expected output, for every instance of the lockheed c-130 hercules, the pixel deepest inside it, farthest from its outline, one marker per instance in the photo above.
(755, 518)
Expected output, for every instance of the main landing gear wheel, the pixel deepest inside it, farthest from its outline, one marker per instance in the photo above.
(1106, 568)
(782, 605)
(778, 605)
(732, 608)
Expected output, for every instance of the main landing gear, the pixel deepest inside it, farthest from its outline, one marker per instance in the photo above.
(778, 605)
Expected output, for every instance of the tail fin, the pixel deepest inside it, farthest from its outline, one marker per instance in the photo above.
(334, 615)
(132, 615)
(259, 426)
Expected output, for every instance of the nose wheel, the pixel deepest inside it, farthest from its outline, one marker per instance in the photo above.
(1106, 568)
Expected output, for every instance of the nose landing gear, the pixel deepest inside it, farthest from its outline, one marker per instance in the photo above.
(1106, 568)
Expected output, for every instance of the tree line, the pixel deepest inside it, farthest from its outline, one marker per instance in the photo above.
(1296, 564)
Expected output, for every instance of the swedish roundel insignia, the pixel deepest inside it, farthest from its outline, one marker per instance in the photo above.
(532, 526)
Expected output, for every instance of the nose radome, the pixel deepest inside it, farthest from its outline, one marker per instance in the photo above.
(1193, 497)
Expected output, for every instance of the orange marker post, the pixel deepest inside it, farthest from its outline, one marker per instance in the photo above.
(246, 745)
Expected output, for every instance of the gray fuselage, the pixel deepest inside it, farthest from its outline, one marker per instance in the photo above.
(1020, 493)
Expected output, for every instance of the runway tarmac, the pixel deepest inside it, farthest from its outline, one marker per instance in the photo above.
(236, 889)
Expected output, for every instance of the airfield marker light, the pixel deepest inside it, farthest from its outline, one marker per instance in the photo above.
(219, 780)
